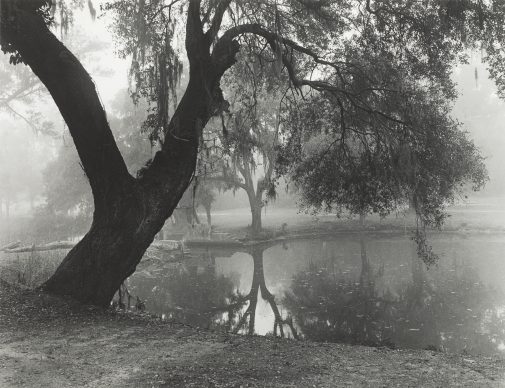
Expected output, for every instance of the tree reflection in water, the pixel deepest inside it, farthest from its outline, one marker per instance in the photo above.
(446, 307)
(248, 318)
(448, 310)
(195, 294)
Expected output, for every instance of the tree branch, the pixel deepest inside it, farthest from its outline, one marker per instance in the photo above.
(73, 91)
(273, 40)
(22, 92)
(216, 20)
(31, 124)
(194, 31)
(229, 180)
(161, 9)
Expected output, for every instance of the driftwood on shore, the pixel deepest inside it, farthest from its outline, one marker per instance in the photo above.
(44, 247)
(11, 245)
(170, 245)
(14, 247)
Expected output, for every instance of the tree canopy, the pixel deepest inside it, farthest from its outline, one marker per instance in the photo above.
(346, 161)
(364, 54)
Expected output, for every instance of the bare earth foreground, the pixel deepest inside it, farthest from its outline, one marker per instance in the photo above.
(48, 342)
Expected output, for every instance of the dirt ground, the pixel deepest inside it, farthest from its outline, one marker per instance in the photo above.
(49, 342)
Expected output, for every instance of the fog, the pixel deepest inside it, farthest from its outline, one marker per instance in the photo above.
(46, 196)
(309, 170)
(32, 131)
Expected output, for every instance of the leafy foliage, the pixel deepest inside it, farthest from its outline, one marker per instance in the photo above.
(361, 55)
(343, 160)
(146, 32)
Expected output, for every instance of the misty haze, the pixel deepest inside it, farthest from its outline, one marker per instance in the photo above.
(256, 193)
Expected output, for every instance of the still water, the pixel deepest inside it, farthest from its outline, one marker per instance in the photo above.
(370, 290)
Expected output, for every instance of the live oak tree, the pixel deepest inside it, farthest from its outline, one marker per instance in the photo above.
(349, 162)
(242, 144)
(313, 42)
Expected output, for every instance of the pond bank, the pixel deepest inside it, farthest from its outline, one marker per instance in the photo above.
(46, 341)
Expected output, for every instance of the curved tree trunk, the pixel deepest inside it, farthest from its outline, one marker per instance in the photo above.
(120, 234)
(128, 211)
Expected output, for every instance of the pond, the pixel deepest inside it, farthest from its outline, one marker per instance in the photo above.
(358, 289)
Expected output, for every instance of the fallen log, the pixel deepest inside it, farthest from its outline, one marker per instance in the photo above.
(170, 245)
(45, 247)
(164, 245)
(11, 245)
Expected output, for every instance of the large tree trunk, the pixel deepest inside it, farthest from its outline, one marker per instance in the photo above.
(256, 219)
(255, 199)
(128, 211)
(120, 234)
(255, 204)
(125, 226)
(95, 268)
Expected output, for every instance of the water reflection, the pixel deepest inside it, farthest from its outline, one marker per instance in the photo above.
(451, 311)
(194, 293)
(335, 290)
(329, 305)
(248, 318)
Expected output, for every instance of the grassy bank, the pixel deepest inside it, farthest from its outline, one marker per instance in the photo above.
(49, 342)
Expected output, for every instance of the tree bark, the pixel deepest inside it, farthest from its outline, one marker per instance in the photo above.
(255, 196)
(128, 211)
(256, 219)
(122, 231)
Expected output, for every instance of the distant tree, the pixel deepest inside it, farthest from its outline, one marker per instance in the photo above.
(19, 180)
(19, 90)
(247, 135)
(312, 43)
(205, 196)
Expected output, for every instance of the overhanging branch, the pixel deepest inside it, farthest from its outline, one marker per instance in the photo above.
(217, 19)
(274, 40)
